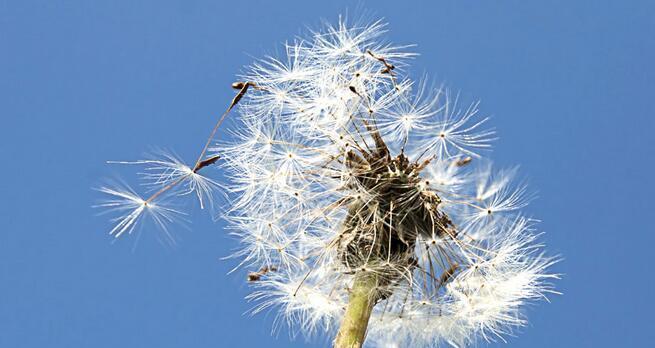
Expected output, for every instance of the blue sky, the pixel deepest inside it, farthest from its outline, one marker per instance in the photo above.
(569, 86)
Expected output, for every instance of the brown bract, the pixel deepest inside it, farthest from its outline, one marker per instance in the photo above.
(394, 208)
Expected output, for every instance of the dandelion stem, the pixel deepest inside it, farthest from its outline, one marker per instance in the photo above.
(363, 297)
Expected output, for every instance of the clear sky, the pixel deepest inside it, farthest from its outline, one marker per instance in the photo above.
(569, 85)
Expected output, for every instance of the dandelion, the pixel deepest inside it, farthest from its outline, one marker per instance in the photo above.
(361, 200)
(359, 186)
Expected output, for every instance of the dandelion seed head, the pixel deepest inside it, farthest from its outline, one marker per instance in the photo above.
(342, 166)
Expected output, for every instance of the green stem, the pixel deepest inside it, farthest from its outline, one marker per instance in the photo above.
(363, 296)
